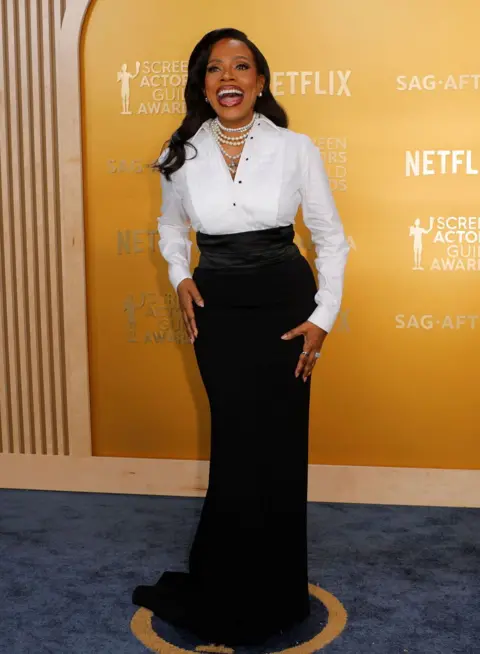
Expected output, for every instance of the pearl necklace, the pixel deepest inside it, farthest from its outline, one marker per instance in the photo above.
(220, 136)
(237, 129)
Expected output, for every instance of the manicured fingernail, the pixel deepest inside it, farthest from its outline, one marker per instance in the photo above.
(284, 337)
(201, 304)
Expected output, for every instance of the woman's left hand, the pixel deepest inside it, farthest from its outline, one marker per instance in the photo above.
(313, 341)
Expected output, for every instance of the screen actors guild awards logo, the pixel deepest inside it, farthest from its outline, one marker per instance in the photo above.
(454, 239)
(160, 88)
(154, 319)
(124, 77)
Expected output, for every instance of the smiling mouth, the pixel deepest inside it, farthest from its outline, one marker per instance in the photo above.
(230, 97)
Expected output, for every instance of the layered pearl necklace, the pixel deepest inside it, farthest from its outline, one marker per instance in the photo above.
(233, 136)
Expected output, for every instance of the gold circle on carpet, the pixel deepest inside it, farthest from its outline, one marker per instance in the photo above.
(141, 626)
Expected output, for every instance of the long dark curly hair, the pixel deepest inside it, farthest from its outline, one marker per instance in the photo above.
(198, 111)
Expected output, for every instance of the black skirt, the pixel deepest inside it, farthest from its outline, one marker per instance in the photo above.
(247, 577)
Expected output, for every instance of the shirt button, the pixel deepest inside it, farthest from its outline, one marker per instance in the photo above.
(234, 204)
(239, 181)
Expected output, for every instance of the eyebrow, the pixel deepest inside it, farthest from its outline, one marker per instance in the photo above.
(236, 57)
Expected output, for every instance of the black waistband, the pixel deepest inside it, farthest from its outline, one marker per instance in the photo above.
(247, 249)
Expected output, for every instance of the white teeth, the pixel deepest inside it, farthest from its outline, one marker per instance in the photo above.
(229, 92)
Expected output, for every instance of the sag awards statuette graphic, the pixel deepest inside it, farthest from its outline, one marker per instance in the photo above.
(417, 232)
(455, 240)
(124, 77)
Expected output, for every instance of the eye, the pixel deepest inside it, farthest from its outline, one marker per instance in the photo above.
(243, 66)
(212, 68)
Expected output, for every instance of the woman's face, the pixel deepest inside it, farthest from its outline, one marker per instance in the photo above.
(231, 82)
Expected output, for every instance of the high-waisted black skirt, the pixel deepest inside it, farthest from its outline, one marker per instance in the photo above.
(247, 577)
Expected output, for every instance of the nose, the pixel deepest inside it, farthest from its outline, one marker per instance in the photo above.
(227, 73)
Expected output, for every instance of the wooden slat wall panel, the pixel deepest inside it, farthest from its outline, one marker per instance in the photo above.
(32, 355)
(9, 395)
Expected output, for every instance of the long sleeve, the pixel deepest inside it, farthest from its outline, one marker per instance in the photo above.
(174, 227)
(331, 247)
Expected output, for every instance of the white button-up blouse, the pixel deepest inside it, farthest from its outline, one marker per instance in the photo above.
(279, 169)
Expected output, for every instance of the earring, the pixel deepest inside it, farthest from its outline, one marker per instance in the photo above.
(206, 99)
(260, 94)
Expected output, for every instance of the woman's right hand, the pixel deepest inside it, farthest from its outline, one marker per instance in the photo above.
(188, 293)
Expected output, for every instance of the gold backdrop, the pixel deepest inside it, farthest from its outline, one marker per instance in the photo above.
(390, 93)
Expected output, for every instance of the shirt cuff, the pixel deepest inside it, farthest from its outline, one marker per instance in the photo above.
(177, 273)
(323, 318)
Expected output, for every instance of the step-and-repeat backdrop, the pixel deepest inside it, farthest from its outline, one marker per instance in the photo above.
(390, 93)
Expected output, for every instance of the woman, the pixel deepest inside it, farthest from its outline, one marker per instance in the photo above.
(237, 175)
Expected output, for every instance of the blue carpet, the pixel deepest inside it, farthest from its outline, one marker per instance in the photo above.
(409, 577)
